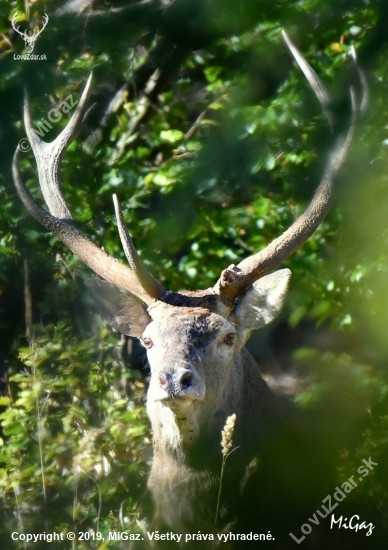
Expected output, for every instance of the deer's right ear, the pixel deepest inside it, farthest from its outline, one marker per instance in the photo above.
(123, 312)
(263, 300)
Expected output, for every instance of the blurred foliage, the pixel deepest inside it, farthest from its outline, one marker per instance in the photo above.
(201, 123)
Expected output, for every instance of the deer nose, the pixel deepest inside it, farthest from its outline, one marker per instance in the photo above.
(174, 383)
(186, 379)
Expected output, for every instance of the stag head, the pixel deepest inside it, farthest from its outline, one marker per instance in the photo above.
(200, 371)
(29, 40)
(239, 301)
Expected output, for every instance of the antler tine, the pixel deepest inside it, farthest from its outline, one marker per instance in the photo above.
(59, 221)
(39, 31)
(147, 281)
(312, 78)
(236, 279)
(45, 21)
(16, 28)
(101, 263)
(363, 81)
(48, 155)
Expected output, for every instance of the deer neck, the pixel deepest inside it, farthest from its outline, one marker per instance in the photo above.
(185, 433)
(175, 431)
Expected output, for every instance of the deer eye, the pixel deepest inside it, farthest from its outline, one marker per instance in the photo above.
(147, 342)
(230, 338)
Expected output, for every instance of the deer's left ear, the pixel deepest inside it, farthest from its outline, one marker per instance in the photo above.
(263, 300)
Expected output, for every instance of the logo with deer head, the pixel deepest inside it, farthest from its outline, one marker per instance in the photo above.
(29, 40)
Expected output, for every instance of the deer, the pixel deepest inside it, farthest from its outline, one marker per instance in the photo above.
(201, 371)
(29, 40)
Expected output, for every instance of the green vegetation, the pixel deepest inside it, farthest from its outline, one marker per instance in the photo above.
(207, 131)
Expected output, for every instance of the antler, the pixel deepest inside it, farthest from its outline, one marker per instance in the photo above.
(151, 285)
(45, 21)
(234, 280)
(59, 221)
(23, 34)
(30, 39)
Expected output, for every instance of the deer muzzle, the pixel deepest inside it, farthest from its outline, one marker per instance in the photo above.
(179, 384)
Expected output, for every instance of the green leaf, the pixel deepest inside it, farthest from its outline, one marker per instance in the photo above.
(171, 136)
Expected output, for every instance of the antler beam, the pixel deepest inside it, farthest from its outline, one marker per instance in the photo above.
(59, 220)
(234, 280)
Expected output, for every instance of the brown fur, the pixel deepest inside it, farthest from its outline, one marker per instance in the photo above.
(200, 374)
